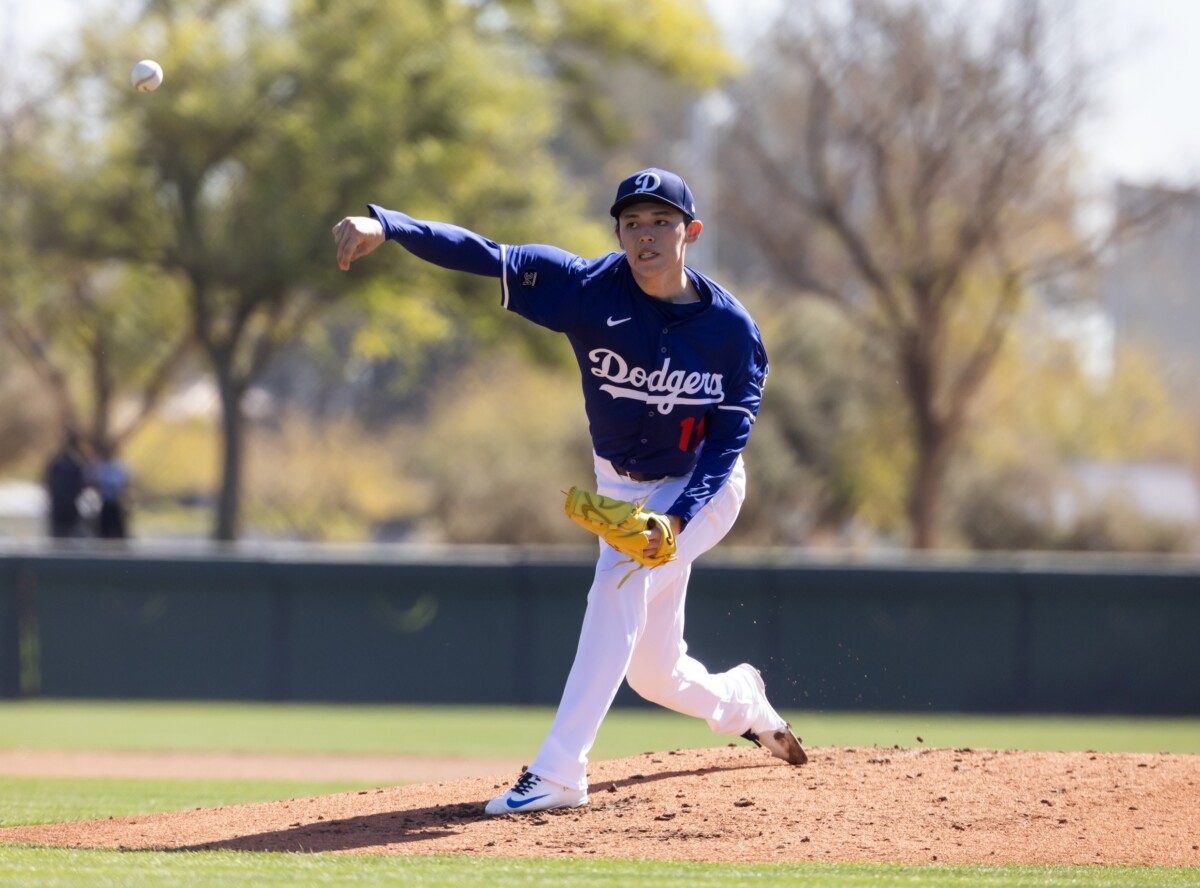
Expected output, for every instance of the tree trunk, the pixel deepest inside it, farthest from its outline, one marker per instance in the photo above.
(933, 436)
(228, 516)
(925, 491)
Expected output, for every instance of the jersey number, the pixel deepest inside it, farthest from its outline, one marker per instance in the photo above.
(691, 433)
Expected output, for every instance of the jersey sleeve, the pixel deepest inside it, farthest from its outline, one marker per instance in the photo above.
(538, 282)
(543, 284)
(729, 426)
(441, 243)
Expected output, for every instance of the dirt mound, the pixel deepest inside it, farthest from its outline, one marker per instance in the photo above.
(945, 806)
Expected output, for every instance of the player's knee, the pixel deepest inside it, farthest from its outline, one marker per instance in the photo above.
(651, 684)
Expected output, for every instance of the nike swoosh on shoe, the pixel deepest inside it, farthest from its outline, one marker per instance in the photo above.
(521, 804)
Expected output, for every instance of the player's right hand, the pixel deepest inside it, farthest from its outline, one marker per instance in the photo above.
(654, 536)
(356, 236)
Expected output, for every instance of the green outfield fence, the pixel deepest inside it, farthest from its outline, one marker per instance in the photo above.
(499, 626)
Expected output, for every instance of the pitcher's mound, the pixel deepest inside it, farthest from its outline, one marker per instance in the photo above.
(942, 806)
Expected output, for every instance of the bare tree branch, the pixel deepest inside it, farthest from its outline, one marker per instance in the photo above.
(930, 155)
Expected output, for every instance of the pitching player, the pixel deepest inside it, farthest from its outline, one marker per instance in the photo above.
(673, 369)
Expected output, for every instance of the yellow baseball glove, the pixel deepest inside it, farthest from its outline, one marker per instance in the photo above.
(622, 525)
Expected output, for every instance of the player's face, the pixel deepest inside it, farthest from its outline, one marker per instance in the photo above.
(654, 237)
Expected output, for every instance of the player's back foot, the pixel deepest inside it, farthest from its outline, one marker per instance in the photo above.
(781, 744)
(770, 731)
(533, 793)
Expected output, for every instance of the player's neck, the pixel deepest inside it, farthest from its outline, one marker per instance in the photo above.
(669, 287)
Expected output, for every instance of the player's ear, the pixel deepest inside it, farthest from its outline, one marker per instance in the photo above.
(693, 230)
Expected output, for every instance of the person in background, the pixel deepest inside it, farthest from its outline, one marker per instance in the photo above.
(66, 480)
(110, 477)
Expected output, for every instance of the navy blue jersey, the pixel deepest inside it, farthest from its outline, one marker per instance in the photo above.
(669, 390)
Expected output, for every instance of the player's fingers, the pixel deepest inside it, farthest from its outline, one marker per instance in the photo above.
(346, 238)
(362, 246)
(343, 230)
(338, 240)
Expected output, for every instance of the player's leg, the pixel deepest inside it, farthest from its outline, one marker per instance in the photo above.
(612, 623)
(660, 669)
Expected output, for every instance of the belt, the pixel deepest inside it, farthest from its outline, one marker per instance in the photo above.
(639, 477)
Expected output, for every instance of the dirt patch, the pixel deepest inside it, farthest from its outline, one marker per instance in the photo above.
(941, 806)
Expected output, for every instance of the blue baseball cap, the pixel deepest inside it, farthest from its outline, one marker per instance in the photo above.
(655, 185)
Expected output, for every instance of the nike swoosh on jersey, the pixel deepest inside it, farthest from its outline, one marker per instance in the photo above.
(512, 803)
(613, 323)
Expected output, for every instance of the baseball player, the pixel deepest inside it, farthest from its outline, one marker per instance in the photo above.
(673, 369)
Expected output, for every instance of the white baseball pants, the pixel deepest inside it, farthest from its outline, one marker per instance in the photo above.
(635, 633)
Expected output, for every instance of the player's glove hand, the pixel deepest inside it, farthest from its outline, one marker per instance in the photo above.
(623, 525)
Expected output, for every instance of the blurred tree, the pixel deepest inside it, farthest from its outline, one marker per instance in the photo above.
(811, 436)
(549, 445)
(97, 324)
(623, 97)
(1044, 412)
(629, 74)
(25, 423)
(1040, 390)
(1040, 416)
(276, 119)
(911, 165)
(303, 486)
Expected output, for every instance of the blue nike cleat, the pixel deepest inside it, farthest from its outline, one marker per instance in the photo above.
(533, 793)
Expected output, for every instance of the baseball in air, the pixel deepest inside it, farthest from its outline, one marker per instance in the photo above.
(147, 75)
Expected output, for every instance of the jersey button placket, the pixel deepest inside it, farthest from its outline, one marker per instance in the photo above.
(662, 349)
(653, 413)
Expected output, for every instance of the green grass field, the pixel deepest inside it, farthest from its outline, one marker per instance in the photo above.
(466, 732)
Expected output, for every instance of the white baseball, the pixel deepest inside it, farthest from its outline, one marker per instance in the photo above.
(147, 75)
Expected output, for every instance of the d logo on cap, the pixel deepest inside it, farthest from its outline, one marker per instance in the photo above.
(647, 182)
(653, 184)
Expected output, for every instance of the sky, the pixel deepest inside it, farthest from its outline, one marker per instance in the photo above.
(1146, 128)
(1149, 129)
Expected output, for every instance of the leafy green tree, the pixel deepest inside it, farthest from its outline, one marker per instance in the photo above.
(98, 324)
(277, 119)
